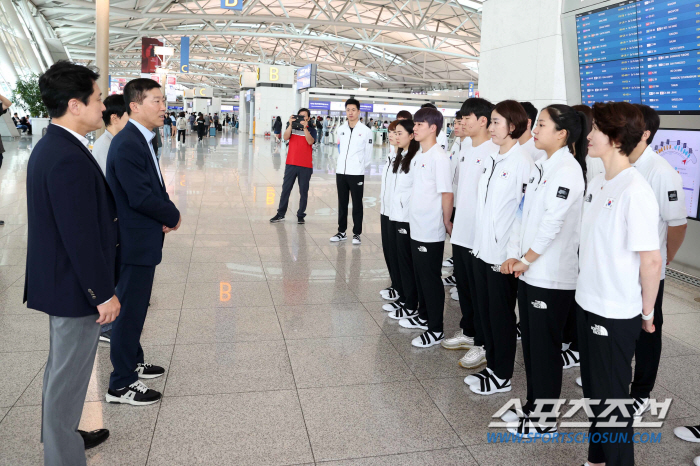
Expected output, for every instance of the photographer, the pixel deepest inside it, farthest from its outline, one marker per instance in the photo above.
(301, 137)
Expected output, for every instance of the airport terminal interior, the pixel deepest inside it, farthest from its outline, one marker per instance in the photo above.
(274, 340)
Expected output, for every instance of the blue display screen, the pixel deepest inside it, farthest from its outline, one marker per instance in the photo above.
(644, 51)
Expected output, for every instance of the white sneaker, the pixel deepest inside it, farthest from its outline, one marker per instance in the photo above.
(491, 385)
(476, 378)
(458, 341)
(389, 307)
(448, 262)
(453, 289)
(696, 461)
(455, 296)
(527, 428)
(414, 323)
(386, 291)
(403, 313)
(474, 358)
(356, 239)
(641, 406)
(339, 237)
(428, 339)
(449, 281)
(570, 358)
(513, 415)
(579, 382)
(392, 295)
(688, 433)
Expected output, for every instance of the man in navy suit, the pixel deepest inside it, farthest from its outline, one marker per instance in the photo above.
(72, 254)
(146, 214)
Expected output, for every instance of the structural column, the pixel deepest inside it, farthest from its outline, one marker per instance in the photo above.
(7, 68)
(24, 43)
(37, 34)
(102, 47)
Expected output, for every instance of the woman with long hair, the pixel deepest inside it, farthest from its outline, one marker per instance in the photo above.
(201, 126)
(543, 253)
(407, 148)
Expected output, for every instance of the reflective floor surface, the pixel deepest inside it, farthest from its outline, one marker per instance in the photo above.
(276, 347)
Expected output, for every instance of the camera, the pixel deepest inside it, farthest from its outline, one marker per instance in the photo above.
(297, 122)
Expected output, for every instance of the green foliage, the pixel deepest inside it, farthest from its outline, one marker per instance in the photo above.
(28, 96)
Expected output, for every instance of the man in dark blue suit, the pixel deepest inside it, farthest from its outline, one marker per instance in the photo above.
(146, 214)
(72, 254)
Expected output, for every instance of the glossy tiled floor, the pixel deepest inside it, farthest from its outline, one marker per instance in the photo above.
(276, 348)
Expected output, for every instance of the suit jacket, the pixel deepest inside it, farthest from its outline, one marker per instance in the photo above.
(73, 240)
(142, 202)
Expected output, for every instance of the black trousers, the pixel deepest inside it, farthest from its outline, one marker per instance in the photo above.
(386, 234)
(496, 294)
(350, 185)
(571, 330)
(647, 355)
(406, 273)
(200, 132)
(134, 293)
(607, 347)
(466, 288)
(543, 314)
(291, 173)
(181, 132)
(427, 266)
(393, 251)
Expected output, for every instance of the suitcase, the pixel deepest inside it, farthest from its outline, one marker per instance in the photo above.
(212, 131)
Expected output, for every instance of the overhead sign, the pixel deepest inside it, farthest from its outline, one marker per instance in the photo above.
(200, 92)
(232, 4)
(185, 54)
(248, 80)
(366, 107)
(317, 105)
(306, 77)
(275, 74)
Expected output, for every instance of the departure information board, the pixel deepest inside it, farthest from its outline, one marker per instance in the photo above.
(644, 51)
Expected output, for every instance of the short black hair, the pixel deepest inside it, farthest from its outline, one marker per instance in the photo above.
(65, 81)
(135, 91)
(308, 112)
(622, 122)
(352, 101)
(114, 105)
(428, 105)
(515, 115)
(429, 115)
(458, 115)
(531, 112)
(405, 114)
(477, 106)
(651, 120)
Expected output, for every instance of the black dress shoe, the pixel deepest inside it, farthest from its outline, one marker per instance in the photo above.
(94, 438)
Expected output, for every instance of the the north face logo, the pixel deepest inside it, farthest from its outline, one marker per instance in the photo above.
(422, 249)
(539, 305)
(599, 330)
(496, 268)
(532, 179)
(360, 183)
(589, 198)
(403, 231)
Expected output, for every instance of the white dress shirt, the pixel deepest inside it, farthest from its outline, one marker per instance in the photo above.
(149, 135)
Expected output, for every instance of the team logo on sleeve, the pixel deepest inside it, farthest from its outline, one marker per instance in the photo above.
(562, 192)
(588, 198)
(673, 196)
(505, 175)
(609, 203)
(524, 187)
(443, 146)
(462, 159)
(370, 141)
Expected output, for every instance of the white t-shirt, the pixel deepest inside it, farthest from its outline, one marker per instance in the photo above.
(667, 185)
(534, 153)
(472, 161)
(501, 188)
(431, 178)
(550, 222)
(442, 140)
(594, 167)
(454, 164)
(620, 219)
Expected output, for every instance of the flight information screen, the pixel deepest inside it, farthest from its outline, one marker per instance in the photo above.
(644, 51)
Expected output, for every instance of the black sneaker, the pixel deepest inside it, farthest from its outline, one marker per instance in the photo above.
(106, 336)
(518, 334)
(149, 371)
(136, 394)
(301, 221)
(277, 218)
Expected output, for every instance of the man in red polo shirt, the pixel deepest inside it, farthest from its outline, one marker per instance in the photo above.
(299, 165)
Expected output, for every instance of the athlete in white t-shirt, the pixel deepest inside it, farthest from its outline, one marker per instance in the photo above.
(543, 253)
(395, 292)
(477, 148)
(501, 189)
(620, 269)
(668, 191)
(429, 218)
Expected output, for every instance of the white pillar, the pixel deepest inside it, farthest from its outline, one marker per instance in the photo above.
(242, 112)
(102, 48)
(28, 51)
(38, 35)
(522, 56)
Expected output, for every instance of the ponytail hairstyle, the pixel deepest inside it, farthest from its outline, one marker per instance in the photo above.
(577, 127)
(404, 161)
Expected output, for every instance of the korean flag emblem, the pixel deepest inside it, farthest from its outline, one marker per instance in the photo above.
(609, 203)
(478, 161)
(505, 175)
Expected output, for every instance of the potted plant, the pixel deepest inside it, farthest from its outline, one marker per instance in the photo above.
(27, 96)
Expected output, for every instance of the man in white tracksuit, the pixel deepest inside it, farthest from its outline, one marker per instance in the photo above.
(354, 155)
